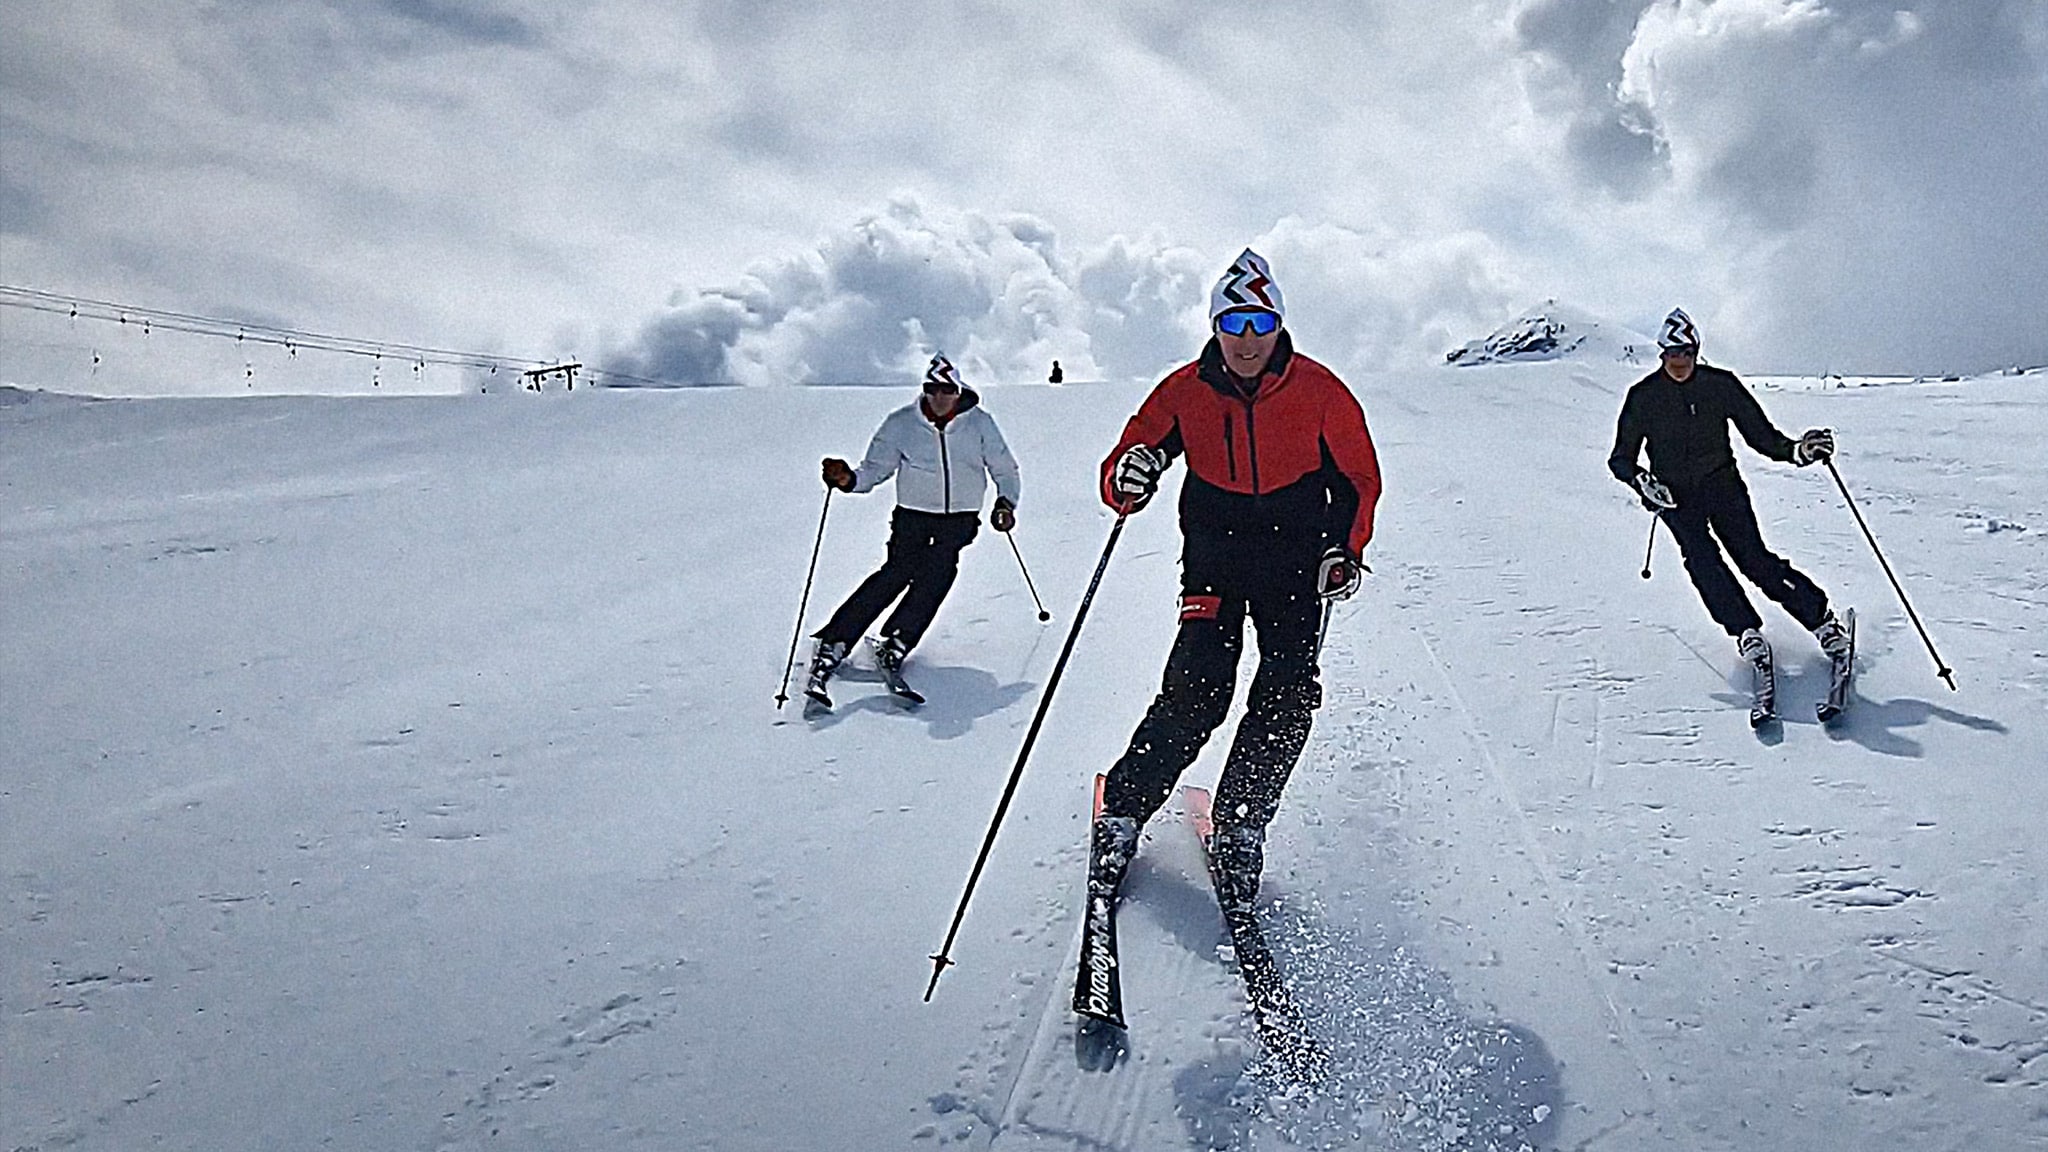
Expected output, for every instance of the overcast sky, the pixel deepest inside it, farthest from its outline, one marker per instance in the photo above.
(775, 192)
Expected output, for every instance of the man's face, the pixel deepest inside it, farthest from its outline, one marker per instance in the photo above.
(1679, 362)
(941, 401)
(1245, 351)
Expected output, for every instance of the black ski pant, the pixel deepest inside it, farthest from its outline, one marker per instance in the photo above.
(1201, 674)
(924, 557)
(1718, 509)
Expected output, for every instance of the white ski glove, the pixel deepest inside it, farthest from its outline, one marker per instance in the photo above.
(1817, 444)
(1656, 497)
(1136, 476)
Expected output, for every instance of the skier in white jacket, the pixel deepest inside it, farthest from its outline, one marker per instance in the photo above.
(942, 450)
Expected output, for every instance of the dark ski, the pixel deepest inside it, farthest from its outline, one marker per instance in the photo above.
(1100, 1041)
(1281, 1028)
(1841, 676)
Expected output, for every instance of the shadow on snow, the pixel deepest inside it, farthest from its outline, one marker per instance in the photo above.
(955, 697)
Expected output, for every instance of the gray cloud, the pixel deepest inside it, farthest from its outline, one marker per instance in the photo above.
(873, 301)
(22, 209)
(1579, 44)
(1878, 168)
(1848, 180)
(469, 23)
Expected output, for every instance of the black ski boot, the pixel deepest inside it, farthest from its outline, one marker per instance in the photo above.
(1111, 844)
(890, 652)
(825, 660)
(1833, 636)
(1763, 708)
(1237, 856)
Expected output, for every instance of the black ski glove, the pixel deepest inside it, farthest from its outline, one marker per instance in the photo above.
(1004, 517)
(838, 474)
(1656, 497)
(1817, 444)
(1338, 575)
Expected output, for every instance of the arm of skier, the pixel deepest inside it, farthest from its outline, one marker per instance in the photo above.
(1350, 445)
(883, 458)
(1756, 428)
(1629, 435)
(1000, 462)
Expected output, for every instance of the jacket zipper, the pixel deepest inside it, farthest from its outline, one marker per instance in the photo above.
(1251, 443)
(945, 468)
(1230, 444)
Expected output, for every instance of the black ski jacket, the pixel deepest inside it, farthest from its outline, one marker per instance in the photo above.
(1686, 426)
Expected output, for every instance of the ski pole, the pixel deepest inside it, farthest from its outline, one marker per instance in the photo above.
(1652, 546)
(1316, 661)
(1043, 615)
(942, 959)
(782, 696)
(1941, 667)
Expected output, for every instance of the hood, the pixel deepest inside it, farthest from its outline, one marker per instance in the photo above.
(969, 398)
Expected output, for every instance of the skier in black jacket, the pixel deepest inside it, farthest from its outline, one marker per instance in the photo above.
(1682, 411)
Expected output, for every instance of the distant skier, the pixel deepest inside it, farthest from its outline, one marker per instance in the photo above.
(943, 450)
(1682, 411)
(1275, 515)
(1055, 376)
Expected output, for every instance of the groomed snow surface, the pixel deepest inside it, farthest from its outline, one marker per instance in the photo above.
(405, 774)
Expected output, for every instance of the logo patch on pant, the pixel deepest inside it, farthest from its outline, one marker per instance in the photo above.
(1200, 607)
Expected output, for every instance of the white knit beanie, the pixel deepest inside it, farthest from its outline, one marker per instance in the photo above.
(942, 373)
(1248, 284)
(1678, 331)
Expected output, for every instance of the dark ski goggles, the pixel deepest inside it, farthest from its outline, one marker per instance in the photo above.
(1682, 352)
(939, 388)
(1255, 321)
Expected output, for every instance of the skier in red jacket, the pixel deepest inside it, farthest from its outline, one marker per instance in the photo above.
(1275, 514)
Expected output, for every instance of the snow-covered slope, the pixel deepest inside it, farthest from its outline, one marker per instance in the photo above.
(1557, 332)
(403, 773)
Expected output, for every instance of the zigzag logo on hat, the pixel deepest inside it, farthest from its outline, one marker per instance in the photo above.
(1248, 284)
(1678, 331)
(942, 375)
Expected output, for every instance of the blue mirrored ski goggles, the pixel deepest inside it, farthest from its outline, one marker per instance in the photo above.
(1256, 321)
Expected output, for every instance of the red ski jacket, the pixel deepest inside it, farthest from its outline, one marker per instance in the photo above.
(1290, 459)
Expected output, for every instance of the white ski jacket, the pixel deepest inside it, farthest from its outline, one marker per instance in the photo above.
(940, 469)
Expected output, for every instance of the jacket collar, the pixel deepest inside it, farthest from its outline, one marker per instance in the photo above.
(1210, 367)
(968, 399)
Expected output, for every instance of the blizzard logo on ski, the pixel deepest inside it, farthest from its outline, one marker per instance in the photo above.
(1200, 607)
(1100, 959)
